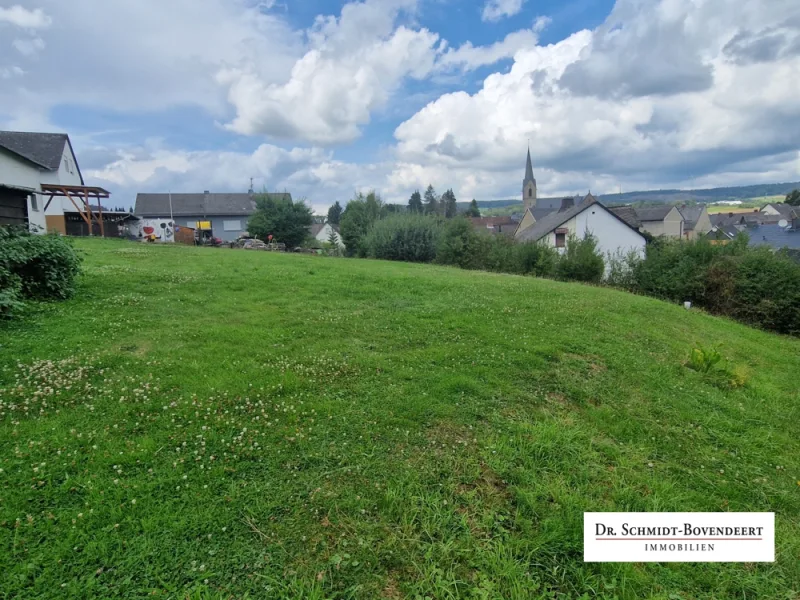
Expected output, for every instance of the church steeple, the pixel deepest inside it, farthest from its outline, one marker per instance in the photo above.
(529, 184)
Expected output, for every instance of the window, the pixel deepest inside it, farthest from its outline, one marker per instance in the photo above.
(561, 240)
(530, 192)
(34, 203)
(232, 225)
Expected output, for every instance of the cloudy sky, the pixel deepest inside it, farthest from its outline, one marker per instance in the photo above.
(326, 98)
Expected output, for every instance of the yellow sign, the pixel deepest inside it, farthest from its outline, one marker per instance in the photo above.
(204, 225)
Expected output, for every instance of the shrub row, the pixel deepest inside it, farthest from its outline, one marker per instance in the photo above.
(418, 238)
(754, 285)
(35, 267)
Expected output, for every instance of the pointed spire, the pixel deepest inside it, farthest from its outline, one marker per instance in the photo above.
(529, 167)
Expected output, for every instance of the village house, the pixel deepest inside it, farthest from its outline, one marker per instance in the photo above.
(696, 222)
(613, 234)
(222, 216)
(41, 185)
(661, 220)
(553, 225)
(321, 232)
(495, 225)
(780, 210)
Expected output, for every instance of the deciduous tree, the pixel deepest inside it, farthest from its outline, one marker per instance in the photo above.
(286, 221)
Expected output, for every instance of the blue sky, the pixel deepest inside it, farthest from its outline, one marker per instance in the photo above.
(329, 98)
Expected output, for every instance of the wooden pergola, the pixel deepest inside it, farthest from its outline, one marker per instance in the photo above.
(79, 195)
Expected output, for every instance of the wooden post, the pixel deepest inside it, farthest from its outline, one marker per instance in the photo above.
(89, 210)
(78, 208)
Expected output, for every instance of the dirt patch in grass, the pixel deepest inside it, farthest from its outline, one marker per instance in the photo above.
(391, 591)
(588, 364)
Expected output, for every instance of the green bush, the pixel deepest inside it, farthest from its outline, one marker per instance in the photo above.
(461, 246)
(405, 237)
(621, 269)
(754, 285)
(765, 290)
(498, 253)
(41, 267)
(581, 261)
(536, 259)
(10, 293)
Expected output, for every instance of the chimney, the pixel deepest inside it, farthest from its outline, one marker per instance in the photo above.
(566, 203)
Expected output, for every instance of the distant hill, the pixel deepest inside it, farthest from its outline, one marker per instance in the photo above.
(669, 196)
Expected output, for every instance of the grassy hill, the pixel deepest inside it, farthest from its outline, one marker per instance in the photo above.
(208, 423)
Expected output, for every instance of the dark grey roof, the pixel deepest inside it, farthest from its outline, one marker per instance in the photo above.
(774, 236)
(549, 222)
(198, 205)
(42, 149)
(656, 213)
(554, 203)
(627, 214)
(690, 214)
(786, 210)
(726, 231)
(749, 218)
(528, 170)
(540, 213)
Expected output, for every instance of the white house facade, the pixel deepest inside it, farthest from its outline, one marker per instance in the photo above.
(28, 161)
(322, 233)
(614, 235)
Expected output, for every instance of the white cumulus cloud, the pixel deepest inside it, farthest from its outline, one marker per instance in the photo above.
(25, 18)
(353, 66)
(494, 10)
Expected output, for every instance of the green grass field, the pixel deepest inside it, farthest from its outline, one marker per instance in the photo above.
(208, 423)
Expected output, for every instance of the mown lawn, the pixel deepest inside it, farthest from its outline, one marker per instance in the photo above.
(206, 423)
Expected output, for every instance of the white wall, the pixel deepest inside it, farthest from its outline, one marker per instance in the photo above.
(64, 177)
(325, 233)
(612, 235)
(144, 227)
(19, 173)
